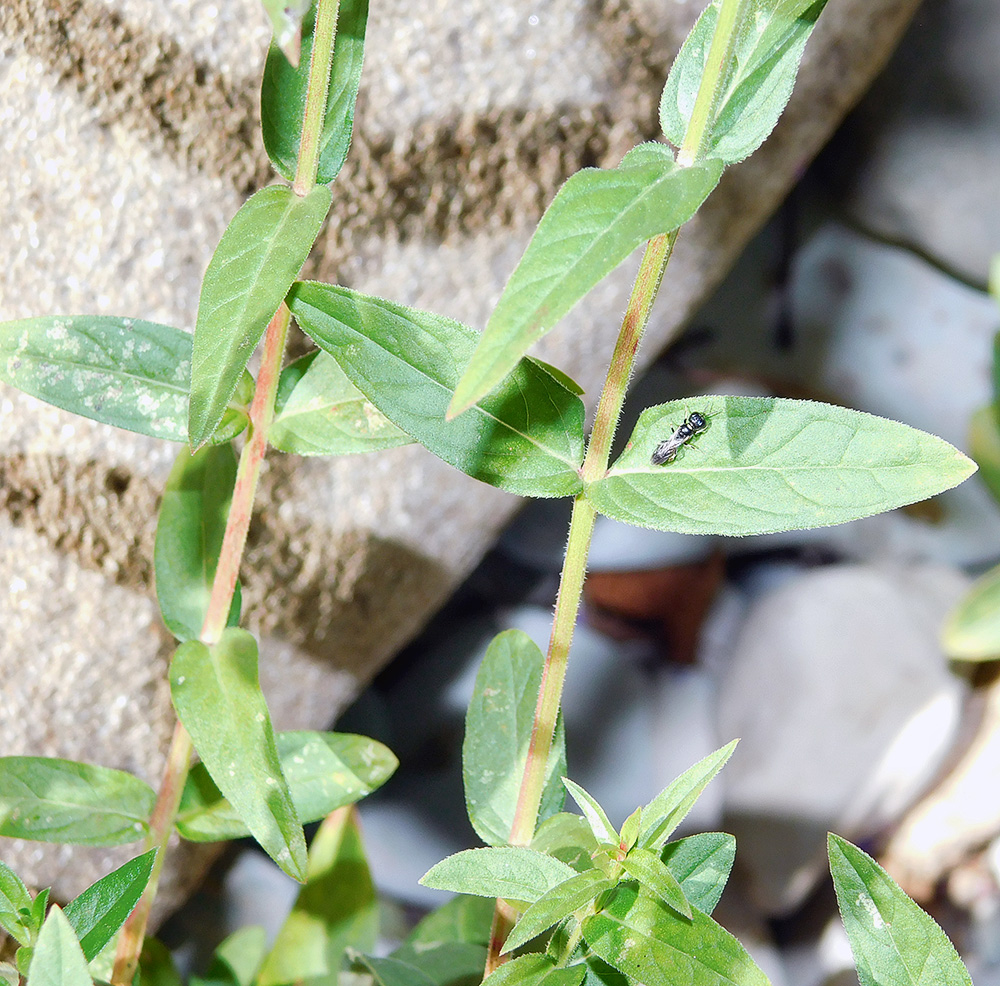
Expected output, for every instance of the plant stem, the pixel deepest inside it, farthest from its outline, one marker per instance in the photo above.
(316, 95)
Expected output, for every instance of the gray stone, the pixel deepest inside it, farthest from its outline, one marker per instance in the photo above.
(128, 138)
(845, 706)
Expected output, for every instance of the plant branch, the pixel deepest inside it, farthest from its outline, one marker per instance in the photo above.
(316, 95)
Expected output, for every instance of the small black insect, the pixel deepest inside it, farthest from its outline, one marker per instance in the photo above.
(666, 451)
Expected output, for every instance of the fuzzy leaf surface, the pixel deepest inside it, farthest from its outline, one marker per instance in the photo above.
(439, 964)
(254, 265)
(526, 438)
(649, 941)
(283, 95)
(57, 959)
(568, 837)
(336, 909)
(757, 81)
(98, 912)
(15, 906)
(123, 372)
(324, 771)
(972, 632)
(189, 535)
(595, 815)
(561, 901)
(596, 220)
(535, 970)
(52, 800)
(463, 919)
(513, 873)
(770, 464)
(318, 411)
(702, 864)
(216, 694)
(657, 877)
(894, 942)
(667, 810)
(498, 727)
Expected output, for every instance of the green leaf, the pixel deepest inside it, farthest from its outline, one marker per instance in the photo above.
(767, 465)
(394, 972)
(15, 906)
(498, 728)
(9, 975)
(324, 771)
(596, 220)
(598, 821)
(702, 864)
(286, 23)
(561, 901)
(98, 912)
(756, 82)
(254, 265)
(567, 837)
(984, 445)
(239, 957)
(189, 535)
(513, 873)
(526, 438)
(463, 918)
(283, 95)
(217, 696)
(972, 632)
(337, 908)
(439, 964)
(599, 973)
(156, 965)
(649, 941)
(535, 970)
(52, 800)
(629, 833)
(657, 878)
(318, 411)
(120, 371)
(58, 959)
(894, 942)
(667, 810)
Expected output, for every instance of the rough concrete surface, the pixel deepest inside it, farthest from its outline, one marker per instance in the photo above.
(128, 138)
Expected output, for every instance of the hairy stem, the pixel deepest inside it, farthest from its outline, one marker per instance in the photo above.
(316, 95)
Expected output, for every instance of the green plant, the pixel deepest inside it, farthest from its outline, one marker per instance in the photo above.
(576, 899)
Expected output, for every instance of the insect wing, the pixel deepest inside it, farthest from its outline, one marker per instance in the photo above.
(666, 451)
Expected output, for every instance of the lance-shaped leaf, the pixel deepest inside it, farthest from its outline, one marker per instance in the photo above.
(892, 939)
(438, 964)
(526, 438)
(667, 810)
(984, 445)
(535, 970)
(98, 912)
(766, 465)
(972, 632)
(337, 908)
(596, 220)
(652, 943)
(217, 696)
(702, 864)
(324, 771)
(318, 411)
(596, 817)
(756, 81)
(189, 534)
(498, 728)
(52, 800)
(657, 878)
(283, 95)
(255, 263)
(15, 906)
(286, 23)
(123, 372)
(238, 958)
(558, 903)
(57, 959)
(513, 872)
(462, 919)
(568, 837)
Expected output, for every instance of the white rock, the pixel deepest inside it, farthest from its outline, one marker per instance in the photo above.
(845, 707)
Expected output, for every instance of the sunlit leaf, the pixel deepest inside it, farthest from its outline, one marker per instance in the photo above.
(893, 940)
(596, 220)
(568, 837)
(526, 438)
(657, 878)
(702, 864)
(255, 263)
(57, 959)
(462, 918)
(599, 823)
(51, 800)
(318, 411)
(438, 964)
(756, 83)
(513, 872)
(498, 727)
(15, 906)
(535, 970)
(123, 372)
(217, 696)
(766, 465)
